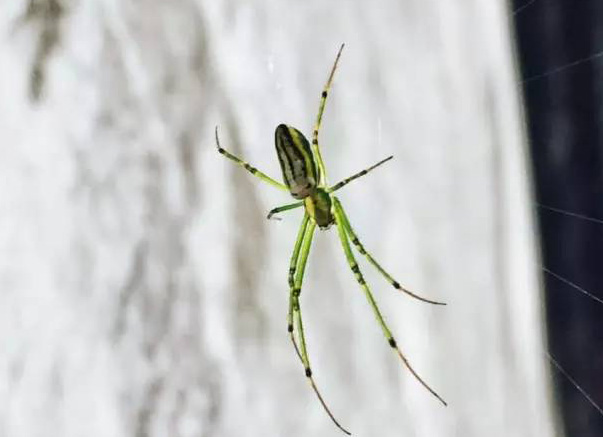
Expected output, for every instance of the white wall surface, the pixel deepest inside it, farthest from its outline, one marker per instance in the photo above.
(142, 291)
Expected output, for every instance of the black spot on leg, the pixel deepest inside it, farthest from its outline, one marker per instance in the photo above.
(361, 281)
(250, 168)
(221, 151)
(290, 327)
(355, 268)
(315, 133)
(314, 141)
(392, 342)
(355, 241)
(308, 372)
(396, 285)
(324, 94)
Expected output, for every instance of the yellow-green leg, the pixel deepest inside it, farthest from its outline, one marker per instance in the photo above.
(297, 268)
(294, 307)
(283, 208)
(321, 109)
(352, 236)
(301, 234)
(339, 220)
(254, 171)
(346, 181)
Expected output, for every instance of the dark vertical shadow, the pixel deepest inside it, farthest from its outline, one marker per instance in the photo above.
(564, 117)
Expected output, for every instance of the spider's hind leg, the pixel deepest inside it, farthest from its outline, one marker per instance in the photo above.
(321, 109)
(254, 171)
(352, 236)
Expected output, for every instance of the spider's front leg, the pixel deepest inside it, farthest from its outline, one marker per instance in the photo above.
(291, 279)
(296, 276)
(297, 267)
(345, 243)
(351, 235)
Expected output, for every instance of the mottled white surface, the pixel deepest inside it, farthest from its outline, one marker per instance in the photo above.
(142, 291)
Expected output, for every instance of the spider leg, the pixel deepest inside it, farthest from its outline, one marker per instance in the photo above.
(254, 171)
(341, 215)
(346, 181)
(321, 109)
(283, 208)
(297, 268)
(339, 220)
(295, 284)
(291, 279)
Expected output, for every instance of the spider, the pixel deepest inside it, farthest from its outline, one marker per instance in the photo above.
(305, 179)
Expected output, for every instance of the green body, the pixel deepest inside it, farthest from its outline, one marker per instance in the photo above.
(304, 177)
(299, 170)
(300, 174)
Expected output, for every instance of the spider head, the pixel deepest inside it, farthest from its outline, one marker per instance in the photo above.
(318, 206)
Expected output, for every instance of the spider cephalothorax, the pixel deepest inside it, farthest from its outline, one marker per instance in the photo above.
(320, 208)
(305, 179)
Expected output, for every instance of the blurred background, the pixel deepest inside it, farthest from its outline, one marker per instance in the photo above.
(143, 292)
(561, 57)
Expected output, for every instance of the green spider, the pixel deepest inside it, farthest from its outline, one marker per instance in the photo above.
(305, 179)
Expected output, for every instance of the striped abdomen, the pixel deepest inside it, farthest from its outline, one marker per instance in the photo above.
(297, 163)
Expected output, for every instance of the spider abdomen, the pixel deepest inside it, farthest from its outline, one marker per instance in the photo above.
(297, 162)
